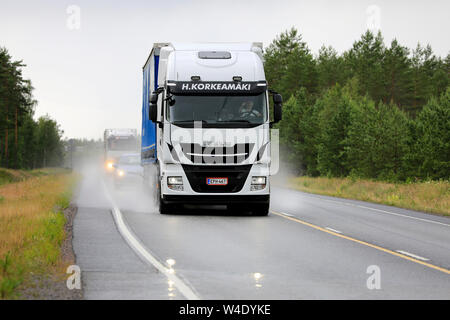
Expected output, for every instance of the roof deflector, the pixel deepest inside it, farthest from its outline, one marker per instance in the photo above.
(214, 55)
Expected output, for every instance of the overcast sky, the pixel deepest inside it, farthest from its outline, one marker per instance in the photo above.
(87, 75)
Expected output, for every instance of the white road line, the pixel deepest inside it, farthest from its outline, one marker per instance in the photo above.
(289, 215)
(135, 244)
(405, 216)
(412, 255)
(379, 210)
(334, 230)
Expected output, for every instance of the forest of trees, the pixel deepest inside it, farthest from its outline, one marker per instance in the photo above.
(24, 142)
(374, 111)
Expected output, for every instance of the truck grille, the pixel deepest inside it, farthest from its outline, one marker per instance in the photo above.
(197, 177)
(217, 155)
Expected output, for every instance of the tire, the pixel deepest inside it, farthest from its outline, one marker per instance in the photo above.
(261, 210)
(151, 187)
(163, 208)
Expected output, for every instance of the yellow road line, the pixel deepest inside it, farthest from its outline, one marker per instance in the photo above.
(429, 265)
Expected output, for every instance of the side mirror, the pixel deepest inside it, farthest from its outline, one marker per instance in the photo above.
(153, 98)
(277, 103)
(153, 109)
(153, 112)
(277, 99)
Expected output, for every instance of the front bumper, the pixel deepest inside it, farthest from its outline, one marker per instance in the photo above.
(216, 199)
(244, 188)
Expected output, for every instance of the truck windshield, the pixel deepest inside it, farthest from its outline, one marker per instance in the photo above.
(122, 144)
(131, 159)
(220, 111)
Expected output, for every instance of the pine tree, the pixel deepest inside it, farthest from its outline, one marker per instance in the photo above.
(330, 68)
(289, 64)
(365, 61)
(432, 148)
(333, 125)
(397, 75)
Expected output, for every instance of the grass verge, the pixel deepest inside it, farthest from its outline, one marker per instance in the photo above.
(432, 196)
(32, 226)
(10, 175)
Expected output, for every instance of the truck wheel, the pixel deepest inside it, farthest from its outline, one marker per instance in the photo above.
(164, 208)
(261, 209)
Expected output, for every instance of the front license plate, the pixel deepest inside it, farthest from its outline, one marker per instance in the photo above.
(217, 181)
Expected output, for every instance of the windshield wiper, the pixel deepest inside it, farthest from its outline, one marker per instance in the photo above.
(189, 121)
(240, 120)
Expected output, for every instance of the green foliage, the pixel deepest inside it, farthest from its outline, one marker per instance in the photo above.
(24, 142)
(10, 277)
(330, 68)
(297, 131)
(334, 120)
(377, 141)
(5, 177)
(290, 65)
(432, 147)
(365, 61)
(397, 75)
(375, 111)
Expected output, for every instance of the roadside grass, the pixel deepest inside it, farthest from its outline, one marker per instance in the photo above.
(32, 226)
(10, 175)
(430, 196)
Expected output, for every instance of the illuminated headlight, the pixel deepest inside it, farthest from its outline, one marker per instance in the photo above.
(174, 180)
(120, 173)
(109, 165)
(259, 180)
(175, 183)
(258, 183)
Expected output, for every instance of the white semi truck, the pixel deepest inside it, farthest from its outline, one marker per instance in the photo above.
(117, 142)
(206, 125)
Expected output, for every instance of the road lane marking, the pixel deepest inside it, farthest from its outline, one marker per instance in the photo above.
(379, 210)
(412, 255)
(405, 216)
(429, 265)
(289, 215)
(135, 244)
(334, 230)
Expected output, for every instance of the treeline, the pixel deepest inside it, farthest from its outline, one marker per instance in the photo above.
(24, 142)
(373, 111)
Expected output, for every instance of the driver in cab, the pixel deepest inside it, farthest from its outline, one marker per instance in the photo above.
(247, 111)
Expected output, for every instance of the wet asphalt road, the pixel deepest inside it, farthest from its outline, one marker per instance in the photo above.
(309, 247)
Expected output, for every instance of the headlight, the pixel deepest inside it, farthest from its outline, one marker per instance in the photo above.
(120, 173)
(258, 183)
(258, 180)
(175, 183)
(174, 180)
(109, 165)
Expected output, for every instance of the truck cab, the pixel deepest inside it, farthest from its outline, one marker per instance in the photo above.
(206, 125)
(117, 142)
